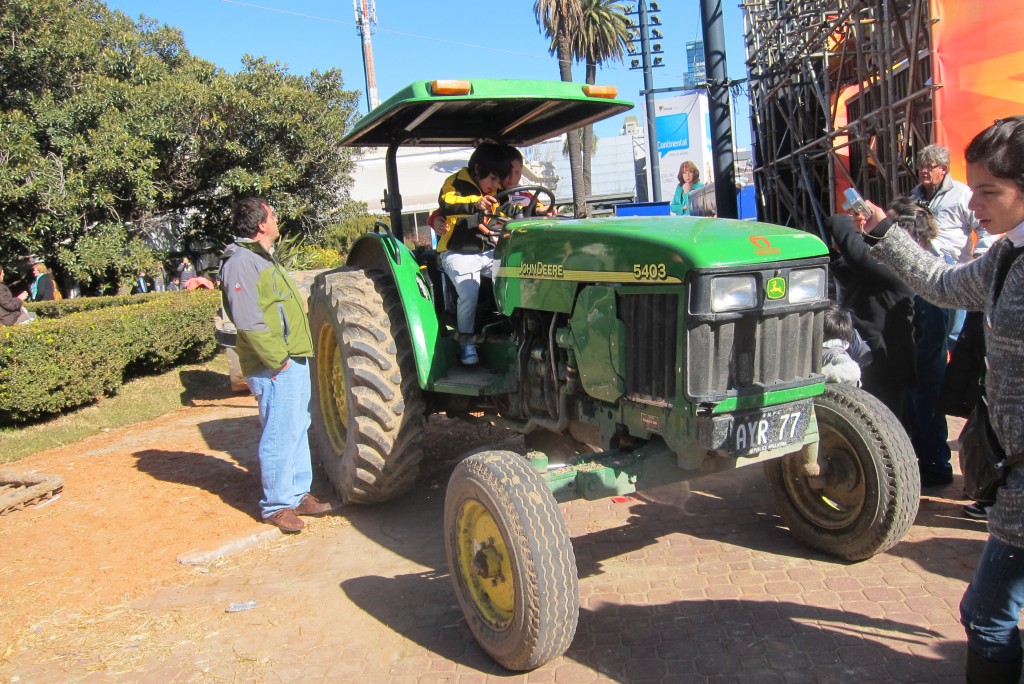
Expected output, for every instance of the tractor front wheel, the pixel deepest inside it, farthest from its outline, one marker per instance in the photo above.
(867, 497)
(511, 560)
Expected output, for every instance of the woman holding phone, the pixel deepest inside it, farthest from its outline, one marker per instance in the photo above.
(994, 284)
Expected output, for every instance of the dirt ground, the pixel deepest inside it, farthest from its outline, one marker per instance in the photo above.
(137, 498)
(702, 584)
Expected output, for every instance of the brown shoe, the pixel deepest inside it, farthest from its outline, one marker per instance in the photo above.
(310, 505)
(286, 520)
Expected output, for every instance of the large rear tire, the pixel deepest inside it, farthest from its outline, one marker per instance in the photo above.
(511, 560)
(868, 497)
(368, 411)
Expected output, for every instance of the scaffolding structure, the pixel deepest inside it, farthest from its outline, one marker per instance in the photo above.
(840, 95)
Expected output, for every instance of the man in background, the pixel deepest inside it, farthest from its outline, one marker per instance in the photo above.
(960, 237)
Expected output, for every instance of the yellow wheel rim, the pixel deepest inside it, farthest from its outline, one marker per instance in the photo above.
(330, 376)
(839, 501)
(485, 564)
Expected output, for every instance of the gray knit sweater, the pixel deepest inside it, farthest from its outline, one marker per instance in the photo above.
(970, 286)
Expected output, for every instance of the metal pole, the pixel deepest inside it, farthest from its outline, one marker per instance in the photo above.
(652, 130)
(393, 195)
(366, 17)
(718, 101)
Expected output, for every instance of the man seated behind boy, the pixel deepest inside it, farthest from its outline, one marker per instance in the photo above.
(514, 179)
(465, 253)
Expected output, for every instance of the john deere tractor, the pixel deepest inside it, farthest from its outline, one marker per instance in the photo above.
(630, 353)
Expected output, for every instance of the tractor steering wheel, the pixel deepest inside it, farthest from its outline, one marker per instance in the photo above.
(510, 207)
(510, 201)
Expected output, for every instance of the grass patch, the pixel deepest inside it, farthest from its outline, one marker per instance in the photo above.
(140, 399)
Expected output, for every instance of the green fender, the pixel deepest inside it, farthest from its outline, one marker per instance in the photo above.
(381, 250)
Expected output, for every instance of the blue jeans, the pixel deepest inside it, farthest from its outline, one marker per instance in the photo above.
(990, 608)
(285, 466)
(926, 427)
(465, 271)
(956, 325)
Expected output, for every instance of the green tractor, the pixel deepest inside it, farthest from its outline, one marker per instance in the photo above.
(629, 352)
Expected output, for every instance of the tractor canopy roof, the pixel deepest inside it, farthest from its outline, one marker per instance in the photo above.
(461, 113)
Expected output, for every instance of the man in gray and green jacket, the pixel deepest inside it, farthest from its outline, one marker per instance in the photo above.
(274, 346)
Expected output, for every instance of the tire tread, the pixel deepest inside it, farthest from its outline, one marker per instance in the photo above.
(547, 561)
(898, 480)
(386, 409)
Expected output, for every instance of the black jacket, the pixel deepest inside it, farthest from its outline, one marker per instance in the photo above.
(882, 307)
(10, 306)
(44, 288)
(457, 200)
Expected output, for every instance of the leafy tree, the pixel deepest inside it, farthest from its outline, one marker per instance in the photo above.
(107, 260)
(560, 20)
(342, 235)
(111, 130)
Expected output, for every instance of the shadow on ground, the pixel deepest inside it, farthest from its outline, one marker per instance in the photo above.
(235, 481)
(728, 640)
(204, 385)
(237, 484)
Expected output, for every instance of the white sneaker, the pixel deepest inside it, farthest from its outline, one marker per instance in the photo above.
(468, 357)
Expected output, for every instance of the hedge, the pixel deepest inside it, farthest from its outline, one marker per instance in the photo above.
(79, 350)
(59, 308)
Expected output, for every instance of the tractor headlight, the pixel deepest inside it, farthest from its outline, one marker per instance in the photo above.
(807, 285)
(732, 293)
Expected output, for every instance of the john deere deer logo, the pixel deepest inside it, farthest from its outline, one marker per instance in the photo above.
(775, 288)
(762, 247)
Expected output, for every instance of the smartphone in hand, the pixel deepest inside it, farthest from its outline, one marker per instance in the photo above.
(854, 202)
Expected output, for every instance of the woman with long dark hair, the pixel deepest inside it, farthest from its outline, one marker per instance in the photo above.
(994, 284)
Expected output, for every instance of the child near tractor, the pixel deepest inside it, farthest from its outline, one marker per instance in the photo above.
(842, 351)
(465, 250)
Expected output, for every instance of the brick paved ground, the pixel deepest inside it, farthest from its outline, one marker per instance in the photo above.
(702, 585)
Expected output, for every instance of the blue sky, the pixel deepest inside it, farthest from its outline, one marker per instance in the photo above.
(424, 40)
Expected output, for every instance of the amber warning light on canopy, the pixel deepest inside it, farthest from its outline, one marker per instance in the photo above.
(600, 91)
(450, 87)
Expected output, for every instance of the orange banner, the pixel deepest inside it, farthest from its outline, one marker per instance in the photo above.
(978, 60)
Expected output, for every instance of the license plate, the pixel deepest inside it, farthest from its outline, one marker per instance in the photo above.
(751, 432)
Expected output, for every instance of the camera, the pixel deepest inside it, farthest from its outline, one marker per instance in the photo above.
(856, 203)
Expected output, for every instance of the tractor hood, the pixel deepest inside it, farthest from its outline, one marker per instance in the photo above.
(644, 249)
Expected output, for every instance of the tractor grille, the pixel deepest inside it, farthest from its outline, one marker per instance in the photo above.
(651, 322)
(754, 353)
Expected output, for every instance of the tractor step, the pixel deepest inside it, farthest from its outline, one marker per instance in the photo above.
(473, 382)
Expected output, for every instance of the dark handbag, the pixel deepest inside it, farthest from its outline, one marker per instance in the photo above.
(964, 379)
(982, 459)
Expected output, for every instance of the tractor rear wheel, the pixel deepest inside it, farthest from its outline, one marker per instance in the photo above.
(868, 495)
(368, 411)
(511, 560)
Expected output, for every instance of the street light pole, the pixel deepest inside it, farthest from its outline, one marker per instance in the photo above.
(647, 64)
(652, 126)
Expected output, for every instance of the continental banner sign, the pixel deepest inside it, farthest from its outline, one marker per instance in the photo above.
(978, 59)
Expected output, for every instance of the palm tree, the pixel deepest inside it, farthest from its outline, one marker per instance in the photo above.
(601, 38)
(560, 20)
